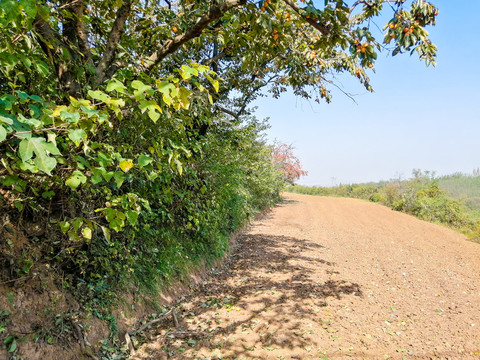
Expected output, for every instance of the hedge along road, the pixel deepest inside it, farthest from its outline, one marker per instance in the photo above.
(332, 278)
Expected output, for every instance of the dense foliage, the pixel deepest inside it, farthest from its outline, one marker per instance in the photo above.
(442, 200)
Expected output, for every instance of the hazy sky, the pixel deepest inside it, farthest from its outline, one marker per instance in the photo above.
(418, 117)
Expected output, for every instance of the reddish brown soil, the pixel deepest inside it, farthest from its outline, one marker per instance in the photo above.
(329, 278)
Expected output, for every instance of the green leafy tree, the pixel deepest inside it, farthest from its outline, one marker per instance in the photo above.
(115, 114)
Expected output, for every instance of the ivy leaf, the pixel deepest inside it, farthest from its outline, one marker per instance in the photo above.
(214, 82)
(52, 148)
(107, 175)
(119, 178)
(76, 179)
(165, 87)
(70, 117)
(23, 96)
(138, 85)
(184, 94)
(87, 233)
(153, 115)
(110, 214)
(97, 176)
(141, 88)
(77, 135)
(106, 233)
(98, 95)
(186, 72)
(76, 223)
(115, 85)
(32, 122)
(48, 194)
(117, 224)
(151, 106)
(132, 217)
(64, 226)
(144, 160)
(125, 165)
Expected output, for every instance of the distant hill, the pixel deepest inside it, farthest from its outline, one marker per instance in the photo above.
(463, 187)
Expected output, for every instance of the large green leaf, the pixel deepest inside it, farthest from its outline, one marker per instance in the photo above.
(41, 149)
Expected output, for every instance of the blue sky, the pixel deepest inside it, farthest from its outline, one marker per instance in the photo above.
(417, 118)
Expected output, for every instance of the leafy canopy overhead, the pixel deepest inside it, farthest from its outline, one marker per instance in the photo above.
(68, 47)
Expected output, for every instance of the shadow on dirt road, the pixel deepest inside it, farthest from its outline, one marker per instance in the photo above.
(261, 300)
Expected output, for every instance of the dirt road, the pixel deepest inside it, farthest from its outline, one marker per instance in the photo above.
(329, 278)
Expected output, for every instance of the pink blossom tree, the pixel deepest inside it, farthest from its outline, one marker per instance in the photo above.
(287, 162)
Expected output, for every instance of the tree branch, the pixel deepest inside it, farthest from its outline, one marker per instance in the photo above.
(52, 45)
(229, 112)
(213, 60)
(113, 40)
(171, 45)
(82, 36)
(74, 28)
(319, 26)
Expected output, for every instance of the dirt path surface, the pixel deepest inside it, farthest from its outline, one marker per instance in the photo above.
(330, 278)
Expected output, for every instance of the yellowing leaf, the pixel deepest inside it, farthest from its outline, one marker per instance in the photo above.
(126, 165)
(87, 233)
(58, 110)
(184, 94)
